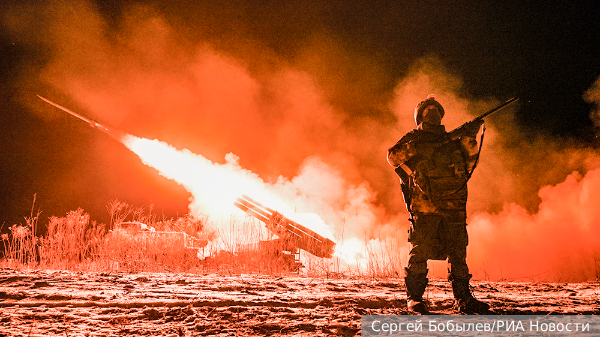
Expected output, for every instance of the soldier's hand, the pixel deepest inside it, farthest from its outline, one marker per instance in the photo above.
(473, 127)
(469, 144)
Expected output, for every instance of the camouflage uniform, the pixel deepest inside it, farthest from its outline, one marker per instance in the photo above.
(434, 169)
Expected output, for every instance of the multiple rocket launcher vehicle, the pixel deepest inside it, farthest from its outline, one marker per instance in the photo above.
(293, 235)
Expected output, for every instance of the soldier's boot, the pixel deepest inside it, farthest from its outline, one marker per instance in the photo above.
(464, 301)
(415, 288)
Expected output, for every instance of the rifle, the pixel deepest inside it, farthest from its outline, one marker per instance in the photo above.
(467, 127)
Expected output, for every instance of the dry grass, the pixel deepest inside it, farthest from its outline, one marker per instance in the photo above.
(185, 244)
(70, 241)
(20, 247)
(386, 258)
(73, 242)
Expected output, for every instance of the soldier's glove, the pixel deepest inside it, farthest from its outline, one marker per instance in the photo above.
(472, 128)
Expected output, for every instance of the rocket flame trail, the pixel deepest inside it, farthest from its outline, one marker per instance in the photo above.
(221, 184)
(214, 186)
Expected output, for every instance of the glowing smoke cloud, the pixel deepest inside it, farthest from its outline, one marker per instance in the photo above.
(560, 242)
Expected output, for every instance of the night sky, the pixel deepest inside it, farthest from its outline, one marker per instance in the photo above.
(355, 52)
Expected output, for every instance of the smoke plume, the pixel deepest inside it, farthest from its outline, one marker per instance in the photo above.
(592, 96)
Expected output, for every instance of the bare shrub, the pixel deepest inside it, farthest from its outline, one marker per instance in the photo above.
(20, 247)
(71, 240)
(118, 210)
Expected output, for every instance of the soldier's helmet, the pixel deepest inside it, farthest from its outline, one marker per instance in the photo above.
(430, 100)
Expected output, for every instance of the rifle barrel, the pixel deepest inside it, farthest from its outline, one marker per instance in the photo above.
(501, 106)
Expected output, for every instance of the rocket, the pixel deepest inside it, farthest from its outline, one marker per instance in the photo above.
(114, 133)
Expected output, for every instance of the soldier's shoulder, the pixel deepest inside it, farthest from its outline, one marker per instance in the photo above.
(411, 135)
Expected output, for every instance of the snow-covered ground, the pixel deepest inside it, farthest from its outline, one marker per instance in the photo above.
(67, 303)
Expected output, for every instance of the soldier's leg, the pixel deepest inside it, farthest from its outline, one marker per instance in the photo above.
(457, 241)
(416, 279)
(459, 272)
(416, 271)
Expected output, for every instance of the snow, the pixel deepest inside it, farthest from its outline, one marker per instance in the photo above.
(47, 302)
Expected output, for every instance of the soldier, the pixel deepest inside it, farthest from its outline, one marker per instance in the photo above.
(434, 168)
